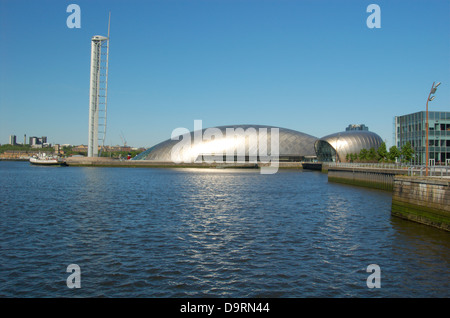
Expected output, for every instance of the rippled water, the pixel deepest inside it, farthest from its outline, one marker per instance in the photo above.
(208, 232)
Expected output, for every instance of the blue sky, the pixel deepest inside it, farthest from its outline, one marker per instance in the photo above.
(311, 66)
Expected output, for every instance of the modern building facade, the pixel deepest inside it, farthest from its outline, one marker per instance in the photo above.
(243, 144)
(412, 128)
(293, 146)
(336, 147)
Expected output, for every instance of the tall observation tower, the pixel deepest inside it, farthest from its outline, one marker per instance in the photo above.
(98, 93)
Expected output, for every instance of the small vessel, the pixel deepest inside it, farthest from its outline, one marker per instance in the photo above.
(47, 160)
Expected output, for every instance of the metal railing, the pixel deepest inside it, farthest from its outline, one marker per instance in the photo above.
(369, 165)
(433, 171)
(412, 170)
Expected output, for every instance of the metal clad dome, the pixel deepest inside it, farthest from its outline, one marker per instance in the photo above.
(346, 142)
(291, 144)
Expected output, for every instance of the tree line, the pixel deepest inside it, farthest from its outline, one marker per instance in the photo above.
(405, 154)
(26, 148)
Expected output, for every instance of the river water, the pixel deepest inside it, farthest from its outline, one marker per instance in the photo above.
(143, 232)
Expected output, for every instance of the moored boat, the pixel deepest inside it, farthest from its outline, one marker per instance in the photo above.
(47, 160)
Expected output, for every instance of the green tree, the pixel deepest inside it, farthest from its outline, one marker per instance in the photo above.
(353, 157)
(372, 154)
(363, 154)
(407, 152)
(394, 153)
(382, 152)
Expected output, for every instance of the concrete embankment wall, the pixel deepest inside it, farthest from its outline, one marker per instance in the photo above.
(367, 177)
(423, 200)
(108, 162)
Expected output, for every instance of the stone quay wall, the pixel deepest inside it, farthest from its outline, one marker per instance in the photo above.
(422, 199)
(367, 177)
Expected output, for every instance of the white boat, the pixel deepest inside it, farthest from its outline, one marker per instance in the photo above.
(47, 160)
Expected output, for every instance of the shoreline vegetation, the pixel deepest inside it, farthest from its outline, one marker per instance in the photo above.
(24, 152)
(382, 155)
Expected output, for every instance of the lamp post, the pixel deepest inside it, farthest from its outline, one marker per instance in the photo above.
(429, 99)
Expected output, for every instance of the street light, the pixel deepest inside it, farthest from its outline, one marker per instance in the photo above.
(430, 98)
(433, 90)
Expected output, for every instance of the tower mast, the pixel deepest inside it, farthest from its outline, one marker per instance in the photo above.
(98, 92)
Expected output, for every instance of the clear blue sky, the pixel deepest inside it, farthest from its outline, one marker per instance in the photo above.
(311, 66)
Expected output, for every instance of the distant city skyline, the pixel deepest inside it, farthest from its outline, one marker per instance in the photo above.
(310, 66)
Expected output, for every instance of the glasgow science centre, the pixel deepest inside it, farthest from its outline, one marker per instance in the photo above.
(255, 141)
(249, 143)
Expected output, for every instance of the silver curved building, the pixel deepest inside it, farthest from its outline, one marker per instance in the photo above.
(343, 143)
(235, 142)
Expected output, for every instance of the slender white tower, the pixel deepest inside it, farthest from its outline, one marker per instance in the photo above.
(98, 92)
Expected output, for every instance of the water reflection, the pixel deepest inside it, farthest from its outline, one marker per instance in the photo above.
(203, 232)
(423, 246)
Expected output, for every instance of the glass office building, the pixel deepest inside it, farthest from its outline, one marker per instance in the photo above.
(412, 128)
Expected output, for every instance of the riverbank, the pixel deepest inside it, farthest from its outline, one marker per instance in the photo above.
(14, 159)
(377, 178)
(424, 200)
(421, 199)
(107, 162)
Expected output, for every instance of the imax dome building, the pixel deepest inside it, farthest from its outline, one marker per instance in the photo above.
(237, 142)
(335, 147)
